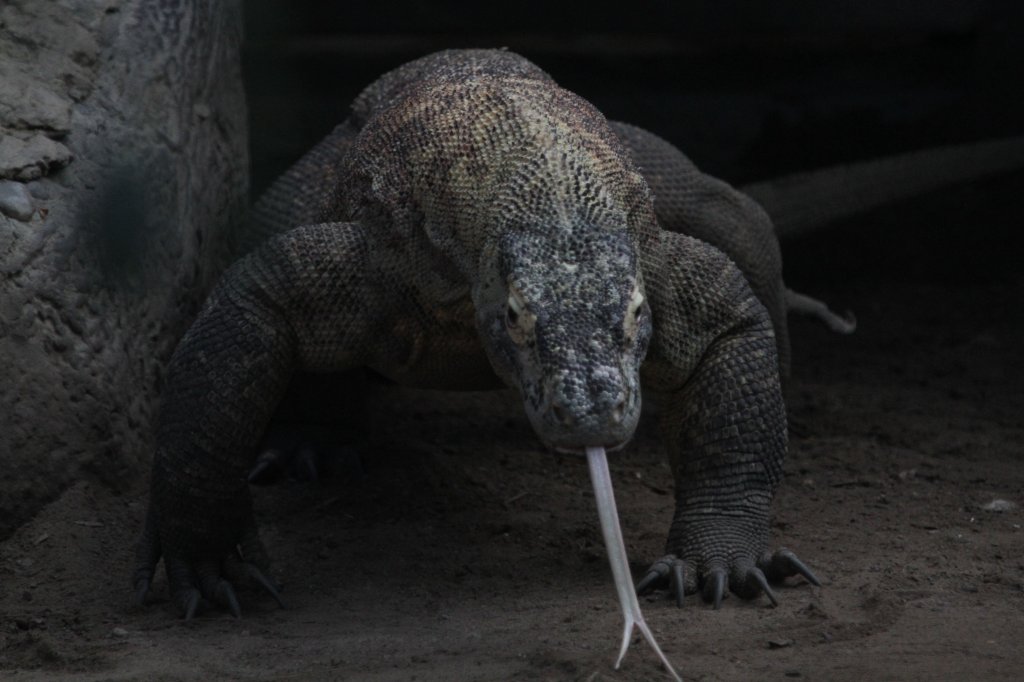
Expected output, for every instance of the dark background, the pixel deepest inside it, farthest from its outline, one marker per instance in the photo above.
(747, 89)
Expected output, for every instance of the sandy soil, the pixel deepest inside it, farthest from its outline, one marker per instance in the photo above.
(461, 551)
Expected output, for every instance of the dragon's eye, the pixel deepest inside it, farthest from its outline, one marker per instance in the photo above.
(634, 313)
(511, 316)
(519, 320)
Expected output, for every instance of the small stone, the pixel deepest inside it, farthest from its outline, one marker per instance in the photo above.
(998, 505)
(15, 201)
(907, 474)
(119, 632)
(780, 643)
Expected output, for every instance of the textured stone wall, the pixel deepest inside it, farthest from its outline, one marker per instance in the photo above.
(123, 166)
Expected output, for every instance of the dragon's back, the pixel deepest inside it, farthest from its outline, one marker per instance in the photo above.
(446, 66)
(464, 146)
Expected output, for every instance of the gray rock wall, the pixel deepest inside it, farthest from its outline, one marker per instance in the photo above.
(123, 165)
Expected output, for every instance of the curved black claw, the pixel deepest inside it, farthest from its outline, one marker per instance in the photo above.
(227, 597)
(255, 563)
(679, 581)
(784, 564)
(266, 582)
(757, 577)
(671, 570)
(267, 468)
(749, 582)
(714, 587)
(655, 574)
(310, 454)
(188, 602)
(141, 591)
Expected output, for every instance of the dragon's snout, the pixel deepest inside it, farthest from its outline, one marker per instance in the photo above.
(563, 412)
(592, 411)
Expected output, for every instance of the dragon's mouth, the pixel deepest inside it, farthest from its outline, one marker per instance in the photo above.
(609, 515)
(582, 450)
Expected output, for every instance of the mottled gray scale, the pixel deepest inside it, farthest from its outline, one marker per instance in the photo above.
(303, 195)
(694, 203)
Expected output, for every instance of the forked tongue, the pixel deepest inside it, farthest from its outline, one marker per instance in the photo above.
(609, 515)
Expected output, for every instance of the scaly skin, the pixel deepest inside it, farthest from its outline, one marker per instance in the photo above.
(696, 204)
(474, 224)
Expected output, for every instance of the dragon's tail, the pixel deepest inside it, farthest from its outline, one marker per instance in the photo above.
(812, 307)
(802, 202)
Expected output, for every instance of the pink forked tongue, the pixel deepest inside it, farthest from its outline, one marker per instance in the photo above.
(609, 515)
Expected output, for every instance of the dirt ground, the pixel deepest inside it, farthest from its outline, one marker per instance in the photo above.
(459, 550)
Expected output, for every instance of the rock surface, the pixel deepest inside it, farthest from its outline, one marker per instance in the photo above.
(31, 158)
(134, 192)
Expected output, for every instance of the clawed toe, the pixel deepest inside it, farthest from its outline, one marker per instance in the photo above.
(266, 582)
(657, 572)
(668, 569)
(714, 587)
(679, 581)
(753, 583)
(227, 598)
(784, 564)
(763, 583)
(188, 602)
(309, 456)
(267, 468)
(142, 584)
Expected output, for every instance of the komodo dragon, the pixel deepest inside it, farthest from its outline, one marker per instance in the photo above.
(473, 225)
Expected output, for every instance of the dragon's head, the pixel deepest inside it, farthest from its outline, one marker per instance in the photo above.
(564, 319)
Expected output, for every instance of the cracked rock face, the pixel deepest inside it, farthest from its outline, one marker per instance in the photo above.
(31, 157)
(123, 164)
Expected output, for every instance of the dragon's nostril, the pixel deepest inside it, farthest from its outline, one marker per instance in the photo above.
(561, 414)
(619, 411)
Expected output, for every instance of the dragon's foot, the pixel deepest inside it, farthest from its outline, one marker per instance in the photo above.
(710, 574)
(309, 454)
(198, 578)
(747, 580)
